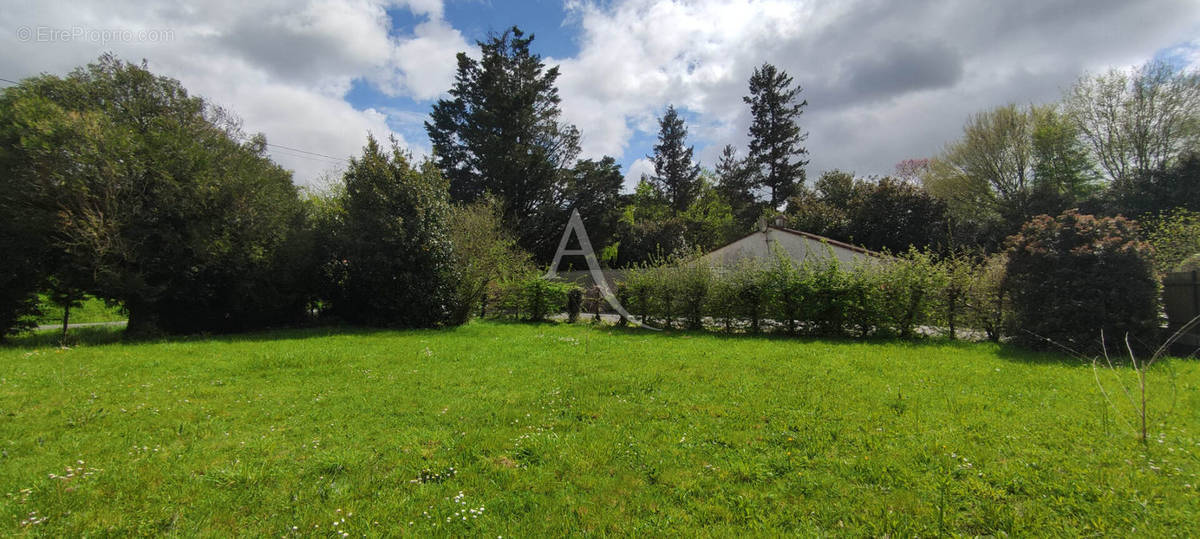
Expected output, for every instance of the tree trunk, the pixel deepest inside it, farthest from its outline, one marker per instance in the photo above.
(66, 322)
(141, 322)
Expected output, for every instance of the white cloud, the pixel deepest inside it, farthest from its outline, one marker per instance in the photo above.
(884, 81)
(642, 166)
(425, 63)
(283, 67)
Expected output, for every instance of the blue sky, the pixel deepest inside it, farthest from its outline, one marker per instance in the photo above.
(885, 81)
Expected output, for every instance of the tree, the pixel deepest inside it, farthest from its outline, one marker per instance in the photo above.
(1075, 278)
(1140, 122)
(500, 133)
(484, 253)
(735, 185)
(395, 242)
(709, 220)
(674, 172)
(887, 214)
(130, 170)
(1157, 191)
(648, 230)
(1175, 237)
(776, 141)
(1011, 164)
(21, 274)
(594, 188)
(897, 216)
(824, 209)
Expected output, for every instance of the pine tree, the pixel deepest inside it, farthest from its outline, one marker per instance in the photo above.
(736, 186)
(674, 172)
(776, 150)
(501, 133)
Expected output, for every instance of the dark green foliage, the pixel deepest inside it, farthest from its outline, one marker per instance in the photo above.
(1074, 276)
(675, 174)
(776, 141)
(155, 199)
(1158, 191)
(890, 215)
(882, 215)
(500, 133)
(594, 188)
(735, 184)
(394, 242)
(574, 304)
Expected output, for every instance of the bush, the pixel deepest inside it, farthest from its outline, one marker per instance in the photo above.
(1191, 263)
(484, 252)
(1074, 277)
(533, 298)
(693, 282)
(910, 284)
(395, 243)
(1175, 236)
(574, 304)
(787, 290)
(988, 307)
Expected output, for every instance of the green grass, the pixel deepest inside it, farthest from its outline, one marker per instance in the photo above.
(555, 429)
(91, 310)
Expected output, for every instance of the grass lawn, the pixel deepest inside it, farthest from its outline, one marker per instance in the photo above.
(90, 310)
(497, 429)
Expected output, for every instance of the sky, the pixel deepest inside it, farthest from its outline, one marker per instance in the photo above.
(885, 81)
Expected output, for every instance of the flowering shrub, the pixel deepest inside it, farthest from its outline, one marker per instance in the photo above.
(1073, 276)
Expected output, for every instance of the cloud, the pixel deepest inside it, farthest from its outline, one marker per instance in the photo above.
(284, 67)
(640, 167)
(884, 80)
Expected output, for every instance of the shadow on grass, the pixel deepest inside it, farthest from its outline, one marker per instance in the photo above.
(85, 336)
(1006, 351)
(108, 335)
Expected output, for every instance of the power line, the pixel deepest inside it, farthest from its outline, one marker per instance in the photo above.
(10, 81)
(313, 156)
(307, 152)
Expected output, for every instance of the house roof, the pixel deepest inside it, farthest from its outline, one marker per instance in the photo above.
(820, 238)
(806, 235)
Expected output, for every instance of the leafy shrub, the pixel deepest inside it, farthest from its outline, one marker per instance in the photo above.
(542, 298)
(484, 252)
(395, 241)
(1074, 276)
(1191, 263)
(989, 307)
(574, 304)
(787, 290)
(721, 303)
(958, 272)
(1175, 236)
(693, 283)
(751, 291)
(910, 285)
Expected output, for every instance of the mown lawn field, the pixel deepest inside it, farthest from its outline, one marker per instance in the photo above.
(512, 430)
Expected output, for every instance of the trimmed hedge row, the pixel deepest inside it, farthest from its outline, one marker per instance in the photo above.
(893, 296)
(1062, 282)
